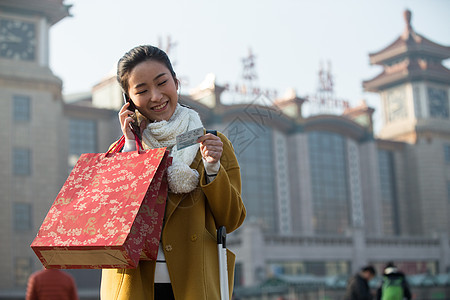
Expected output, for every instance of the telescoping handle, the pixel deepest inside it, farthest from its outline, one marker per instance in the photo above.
(223, 269)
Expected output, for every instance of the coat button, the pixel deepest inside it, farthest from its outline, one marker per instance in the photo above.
(168, 248)
(194, 237)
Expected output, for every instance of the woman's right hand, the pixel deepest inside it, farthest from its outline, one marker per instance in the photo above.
(125, 118)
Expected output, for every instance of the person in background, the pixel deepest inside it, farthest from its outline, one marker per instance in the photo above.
(51, 284)
(394, 285)
(204, 187)
(358, 286)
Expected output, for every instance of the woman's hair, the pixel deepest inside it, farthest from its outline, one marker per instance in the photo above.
(137, 55)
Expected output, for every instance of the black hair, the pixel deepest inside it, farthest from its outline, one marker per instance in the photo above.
(369, 269)
(137, 55)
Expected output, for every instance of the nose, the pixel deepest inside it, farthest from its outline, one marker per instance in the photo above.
(156, 96)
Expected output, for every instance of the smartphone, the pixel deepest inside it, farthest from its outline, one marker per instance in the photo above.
(134, 125)
(126, 99)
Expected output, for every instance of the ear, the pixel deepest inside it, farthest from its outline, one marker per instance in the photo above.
(177, 83)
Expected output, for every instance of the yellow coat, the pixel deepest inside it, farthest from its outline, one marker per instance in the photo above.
(189, 238)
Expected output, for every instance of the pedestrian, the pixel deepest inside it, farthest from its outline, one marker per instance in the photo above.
(394, 285)
(358, 286)
(204, 187)
(51, 284)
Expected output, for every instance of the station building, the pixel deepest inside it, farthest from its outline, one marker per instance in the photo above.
(324, 194)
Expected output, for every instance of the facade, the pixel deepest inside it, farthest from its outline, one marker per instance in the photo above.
(41, 134)
(324, 195)
(30, 157)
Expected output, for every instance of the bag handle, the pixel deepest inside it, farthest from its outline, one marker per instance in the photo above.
(117, 146)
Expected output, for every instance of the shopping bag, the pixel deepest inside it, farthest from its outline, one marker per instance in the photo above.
(110, 208)
(151, 246)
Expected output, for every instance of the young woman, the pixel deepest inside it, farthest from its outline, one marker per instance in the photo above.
(204, 188)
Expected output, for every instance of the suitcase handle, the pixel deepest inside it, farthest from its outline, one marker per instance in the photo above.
(223, 269)
(222, 236)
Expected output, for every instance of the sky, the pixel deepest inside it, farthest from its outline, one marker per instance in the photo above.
(289, 38)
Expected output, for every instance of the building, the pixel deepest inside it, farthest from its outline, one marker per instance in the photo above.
(38, 130)
(344, 197)
(324, 195)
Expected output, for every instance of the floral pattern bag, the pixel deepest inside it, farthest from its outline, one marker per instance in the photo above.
(109, 212)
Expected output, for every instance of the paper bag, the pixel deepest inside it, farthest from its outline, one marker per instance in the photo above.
(106, 213)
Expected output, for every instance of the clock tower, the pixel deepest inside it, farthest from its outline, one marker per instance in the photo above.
(31, 116)
(414, 87)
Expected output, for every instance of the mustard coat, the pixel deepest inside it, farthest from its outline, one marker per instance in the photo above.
(189, 238)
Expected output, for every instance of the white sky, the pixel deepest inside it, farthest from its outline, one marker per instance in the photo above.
(290, 38)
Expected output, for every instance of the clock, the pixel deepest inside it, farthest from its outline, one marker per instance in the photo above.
(438, 103)
(396, 109)
(17, 39)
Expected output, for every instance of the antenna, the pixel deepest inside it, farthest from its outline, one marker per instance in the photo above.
(324, 100)
(170, 45)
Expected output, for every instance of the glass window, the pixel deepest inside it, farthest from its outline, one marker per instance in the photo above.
(327, 153)
(22, 270)
(83, 136)
(318, 268)
(388, 193)
(21, 161)
(22, 217)
(448, 191)
(21, 108)
(447, 153)
(255, 155)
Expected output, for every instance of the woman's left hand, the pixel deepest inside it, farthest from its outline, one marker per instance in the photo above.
(211, 147)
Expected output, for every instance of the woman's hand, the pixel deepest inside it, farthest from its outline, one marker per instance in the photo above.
(211, 147)
(125, 118)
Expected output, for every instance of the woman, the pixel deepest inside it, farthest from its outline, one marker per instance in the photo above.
(204, 188)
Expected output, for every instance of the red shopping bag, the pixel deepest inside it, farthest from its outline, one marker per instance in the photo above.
(110, 208)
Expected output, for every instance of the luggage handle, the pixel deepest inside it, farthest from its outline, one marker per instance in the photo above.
(223, 268)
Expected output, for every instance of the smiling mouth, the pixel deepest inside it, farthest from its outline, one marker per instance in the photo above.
(160, 107)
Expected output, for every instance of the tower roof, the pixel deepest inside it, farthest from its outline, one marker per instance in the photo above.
(53, 10)
(410, 57)
(408, 43)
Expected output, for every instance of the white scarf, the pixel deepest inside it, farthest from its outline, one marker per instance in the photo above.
(182, 179)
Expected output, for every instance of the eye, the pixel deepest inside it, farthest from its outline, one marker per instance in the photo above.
(141, 92)
(162, 83)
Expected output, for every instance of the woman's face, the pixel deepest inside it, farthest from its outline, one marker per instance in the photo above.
(153, 90)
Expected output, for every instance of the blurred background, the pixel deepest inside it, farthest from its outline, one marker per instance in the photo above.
(338, 112)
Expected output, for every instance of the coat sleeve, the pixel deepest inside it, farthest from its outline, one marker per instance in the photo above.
(224, 192)
(31, 288)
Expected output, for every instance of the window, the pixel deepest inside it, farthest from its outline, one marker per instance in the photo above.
(447, 153)
(22, 270)
(22, 216)
(448, 191)
(329, 184)
(83, 136)
(21, 161)
(255, 156)
(318, 268)
(21, 108)
(388, 193)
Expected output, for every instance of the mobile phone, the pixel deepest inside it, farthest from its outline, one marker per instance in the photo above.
(134, 124)
(126, 99)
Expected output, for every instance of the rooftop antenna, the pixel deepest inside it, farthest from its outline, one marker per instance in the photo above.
(168, 47)
(249, 75)
(324, 100)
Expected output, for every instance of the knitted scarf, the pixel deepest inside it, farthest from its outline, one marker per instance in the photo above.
(181, 178)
